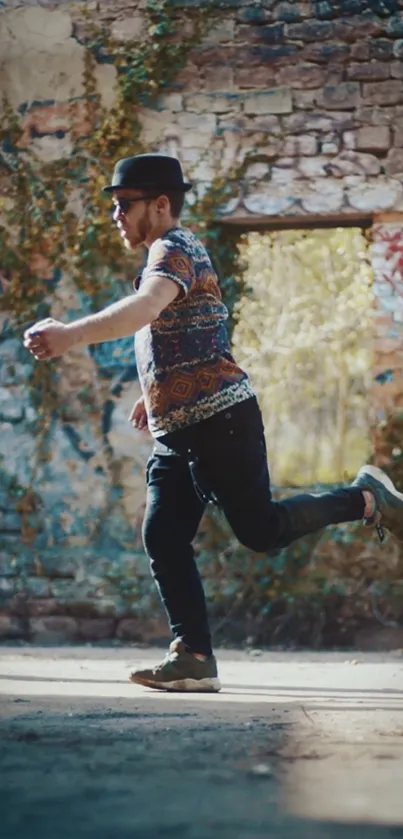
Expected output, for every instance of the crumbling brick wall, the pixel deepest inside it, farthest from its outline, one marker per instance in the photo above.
(317, 88)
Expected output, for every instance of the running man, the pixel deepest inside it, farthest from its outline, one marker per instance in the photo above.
(202, 412)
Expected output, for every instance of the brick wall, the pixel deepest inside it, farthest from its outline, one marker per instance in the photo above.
(317, 87)
(387, 261)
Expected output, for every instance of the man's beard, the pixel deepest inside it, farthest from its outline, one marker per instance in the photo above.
(143, 229)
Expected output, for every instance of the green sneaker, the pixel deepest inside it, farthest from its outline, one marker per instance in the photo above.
(180, 671)
(388, 501)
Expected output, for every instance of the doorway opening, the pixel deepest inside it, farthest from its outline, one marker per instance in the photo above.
(304, 333)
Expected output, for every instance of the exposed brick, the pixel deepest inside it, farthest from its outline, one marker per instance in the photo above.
(128, 28)
(375, 115)
(129, 629)
(345, 95)
(186, 30)
(269, 124)
(326, 53)
(302, 76)
(292, 11)
(298, 146)
(96, 629)
(43, 607)
(35, 586)
(57, 120)
(250, 143)
(196, 140)
(223, 31)
(379, 194)
(10, 522)
(275, 101)
(281, 54)
(155, 630)
(325, 9)
(252, 14)
(353, 163)
(252, 77)
(53, 630)
(398, 48)
(220, 77)
(283, 174)
(191, 4)
(8, 587)
(360, 51)
(380, 49)
(188, 77)
(213, 103)
(285, 163)
(387, 393)
(368, 71)
(382, 320)
(312, 30)
(214, 56)
(396, 69)
(385, 361)
(257, 171)
(394, 25)
(11, 628)
(388, 345)
(305, 100)
(394, 162)
(322, 196)
(270, 202)
(172, 102)
(356, 27)
(147, 631)
(9, 565)
(191, 121)
(330, 145)
(379, 639)
(372, 138)
(313, 167)
(351, 7)
(384, 93)
(317, 121)
(398, 135)
(269, 35)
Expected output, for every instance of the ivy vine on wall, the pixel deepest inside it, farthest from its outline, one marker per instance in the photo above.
(41, 232)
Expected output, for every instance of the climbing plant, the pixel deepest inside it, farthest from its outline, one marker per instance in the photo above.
(52, 225)
(42, 233)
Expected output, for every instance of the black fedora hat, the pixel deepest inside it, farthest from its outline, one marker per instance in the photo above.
(148, 171)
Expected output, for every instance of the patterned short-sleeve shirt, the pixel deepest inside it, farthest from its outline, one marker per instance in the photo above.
(186, 369)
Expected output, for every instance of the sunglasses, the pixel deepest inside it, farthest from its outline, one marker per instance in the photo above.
(123, 204)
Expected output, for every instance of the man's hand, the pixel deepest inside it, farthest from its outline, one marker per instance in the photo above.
(138, 416)
(48, 339)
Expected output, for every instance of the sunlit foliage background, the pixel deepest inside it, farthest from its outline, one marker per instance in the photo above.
(305, 336)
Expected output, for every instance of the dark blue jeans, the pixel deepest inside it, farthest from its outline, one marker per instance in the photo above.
(223, 457)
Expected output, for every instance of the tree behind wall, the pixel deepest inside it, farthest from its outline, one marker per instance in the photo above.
(305, 335)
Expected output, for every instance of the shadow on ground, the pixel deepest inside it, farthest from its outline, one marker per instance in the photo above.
(289, 750)
(98, 770)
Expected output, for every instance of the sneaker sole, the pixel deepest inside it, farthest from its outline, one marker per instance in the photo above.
(381, 476)
(181, 685)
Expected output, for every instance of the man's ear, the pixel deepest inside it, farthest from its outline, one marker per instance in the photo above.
(162, 204)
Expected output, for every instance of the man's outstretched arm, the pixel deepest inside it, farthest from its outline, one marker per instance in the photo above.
(50, 338)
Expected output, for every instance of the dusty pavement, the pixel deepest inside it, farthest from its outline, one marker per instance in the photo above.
(296, 745)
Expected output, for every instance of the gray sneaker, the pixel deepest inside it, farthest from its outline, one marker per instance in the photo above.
(388, 501)
(180, 671)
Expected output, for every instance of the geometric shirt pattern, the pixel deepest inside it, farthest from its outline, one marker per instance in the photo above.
(184, 361)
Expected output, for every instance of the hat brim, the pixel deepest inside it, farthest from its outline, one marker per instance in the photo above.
(185, 187)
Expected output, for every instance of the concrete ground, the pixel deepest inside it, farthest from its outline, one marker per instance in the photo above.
(296, 745)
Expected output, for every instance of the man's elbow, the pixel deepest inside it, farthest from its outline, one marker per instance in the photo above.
(151, 308)
(154, 304)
